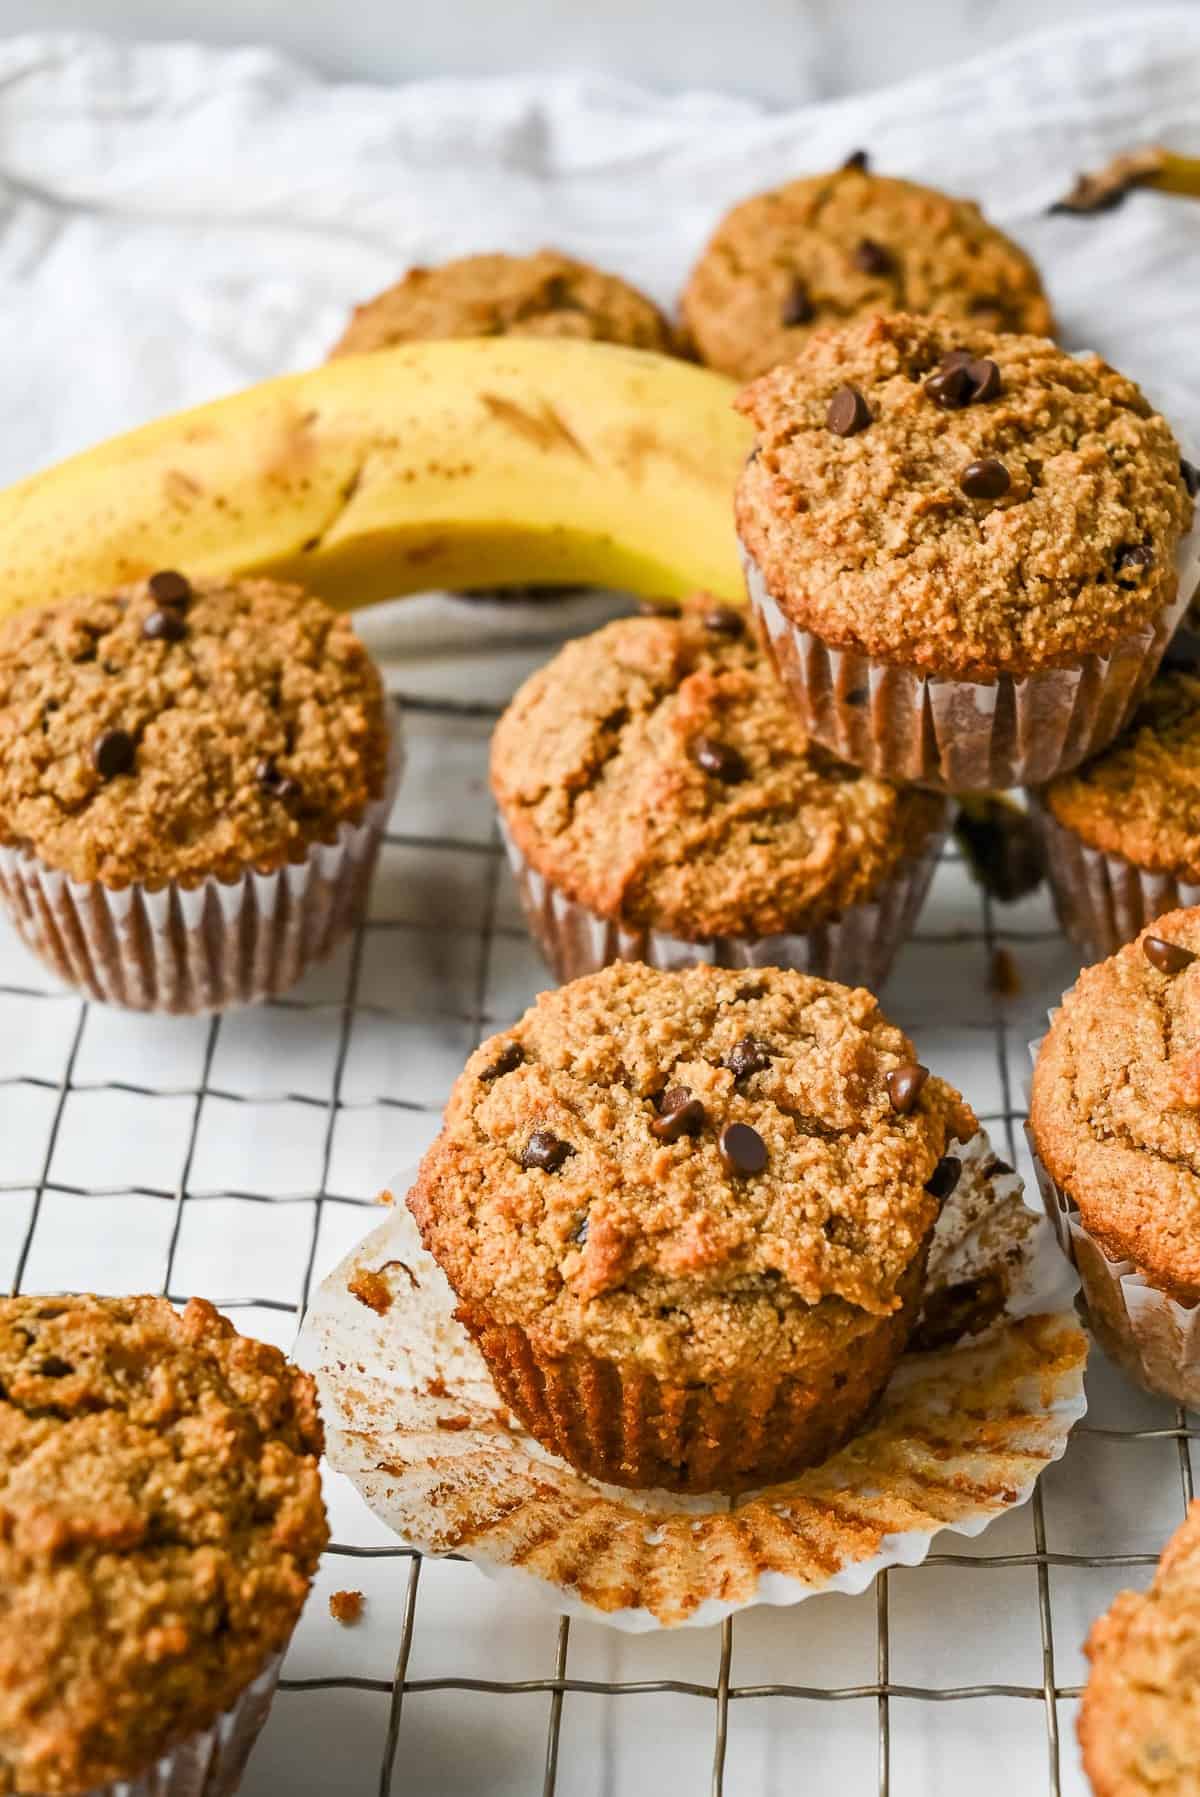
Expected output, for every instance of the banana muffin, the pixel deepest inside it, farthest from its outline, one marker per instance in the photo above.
(686, 1217)
(192, 786)
(827, 249)
(661, 803)
(542, 295)
(162, 1519)
(964, 547)
(1139, 1722)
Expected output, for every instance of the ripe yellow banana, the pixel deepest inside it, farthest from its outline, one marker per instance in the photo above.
(462, 464)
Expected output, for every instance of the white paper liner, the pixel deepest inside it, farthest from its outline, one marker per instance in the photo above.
(959, 1437)
(211, 1763)
(858, 947)
(205, 948)
(1103, 900)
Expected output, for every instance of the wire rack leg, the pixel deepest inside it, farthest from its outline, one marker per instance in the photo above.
(721, 1742)
(406, 1639)
(550, 1781)
(882, 1677)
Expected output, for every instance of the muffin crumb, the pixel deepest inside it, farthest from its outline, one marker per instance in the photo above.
(347, 1607)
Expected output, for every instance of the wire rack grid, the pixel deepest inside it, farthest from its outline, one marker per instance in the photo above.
(238, 1157)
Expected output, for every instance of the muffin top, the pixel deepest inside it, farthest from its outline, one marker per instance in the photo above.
(1139, 1724)
(160, 1522)
(830, 248)
(1115, 1108)
(655, 772)
(542, 295)
(965, 503)
(1141, 797)
(572, 1192)
(176, 730)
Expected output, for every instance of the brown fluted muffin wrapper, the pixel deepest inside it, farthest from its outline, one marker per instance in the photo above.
(1103, 900)
(856, 947)
(187, 950)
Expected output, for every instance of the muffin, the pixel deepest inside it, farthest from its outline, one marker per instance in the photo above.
(1139, 1722)
(162, 1521)
(965, 548)
(831, 248)
(1115, 1126)
(686, 1217)
(543, 295)
(194, 779)
(661, 803)
(1122, 832)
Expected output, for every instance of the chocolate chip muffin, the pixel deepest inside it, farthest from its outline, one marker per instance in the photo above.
(965, 547)
(543, 295)
(661, 803)
(686, 1217)
(162, 1521)
(1139, 1722)
(192, 785)
(831, 248)
(1115, 1124)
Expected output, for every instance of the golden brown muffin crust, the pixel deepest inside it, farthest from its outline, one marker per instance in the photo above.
(1141, 797)
(870, 540)
(543, 295)
(632, 1244)
(160, 1522)
(830, 248)
(1139, 1722)
(255, 726)
(1115, 1107)
(595, 769)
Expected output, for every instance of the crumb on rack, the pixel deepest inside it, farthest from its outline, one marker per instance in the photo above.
(371, 1289)
(346, 1607)
(1004, 978)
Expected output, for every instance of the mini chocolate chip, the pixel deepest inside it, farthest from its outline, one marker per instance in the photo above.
(1167, 957)
(545, 1150)
(280, 786)
(659, 608)
(720, 760)
(1190, 476)
(580, 1234)
(744, 994)
(858, 160)
(742, 1149)
(164, 626)
(113, 753)
(798, 306)
(988, 479)
(748, 1056)
(858, 696)
(872, 258)
(1133, 558)
(170, 588)
(944, 1178)
(984, 376)
(950, 387)
(724, 621)
(904, 1085)
(55, 1368)
(507, 1061)
(848, 413)
(680, 1115)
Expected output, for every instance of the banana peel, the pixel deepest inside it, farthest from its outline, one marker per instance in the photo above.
(465, 464)
(1149, 165)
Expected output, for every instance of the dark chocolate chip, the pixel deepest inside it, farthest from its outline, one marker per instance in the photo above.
(872, 258)
(1001, 846)
(53, 1367)
(984, 376)
(950, 387)
(720, 760)
(954, 1311)
(798, 306)
(545, 1150)
(944, 1178)
(680, 1115)
(748, 1056)
(1190, 477)
(858, 696)
(1133, 559)
(858, 160)
(659, 608)
(722, 620)
(164, 627)
(580, 1234)
(988, 479)
(848, 413)
(280, 786)
(507, 1061)
(113, 753)
(742, 1149)
(1167, 957)
(170, 588)
(904, 1085)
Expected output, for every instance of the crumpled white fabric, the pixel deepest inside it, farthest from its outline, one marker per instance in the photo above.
(176, 222)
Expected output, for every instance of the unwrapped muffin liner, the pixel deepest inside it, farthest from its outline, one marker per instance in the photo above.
(959, 1437)
(203, 948)
(1151, 1336)
(1102, 899)
(856, 947)
(965, 735)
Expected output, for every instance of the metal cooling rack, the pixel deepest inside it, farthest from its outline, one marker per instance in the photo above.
(367, 1046)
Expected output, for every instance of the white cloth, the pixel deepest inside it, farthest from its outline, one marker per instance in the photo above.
(176, 222)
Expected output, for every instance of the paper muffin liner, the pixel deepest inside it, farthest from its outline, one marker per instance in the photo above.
(210, 1763)
(965, 735)
(857, 947)
(187, 950)
(960, 1435)
(1103, 900)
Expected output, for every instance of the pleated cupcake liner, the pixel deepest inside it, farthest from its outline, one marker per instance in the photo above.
(187, 950)
(856, 947)
(1102, 899)
(959, 1436)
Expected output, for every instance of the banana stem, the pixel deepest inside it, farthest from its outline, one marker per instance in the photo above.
(1150, 165)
